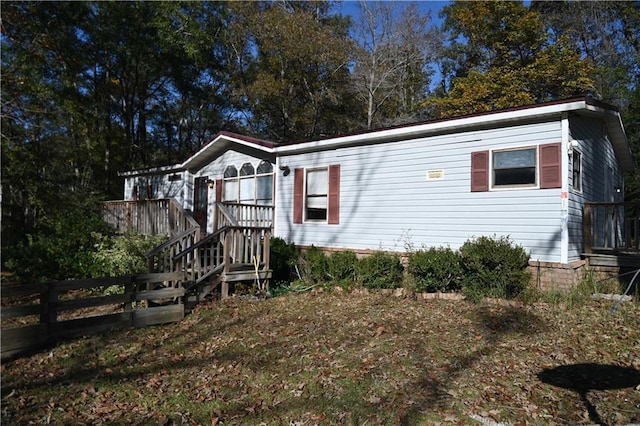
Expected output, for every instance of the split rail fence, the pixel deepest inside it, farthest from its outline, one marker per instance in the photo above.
(35, 316)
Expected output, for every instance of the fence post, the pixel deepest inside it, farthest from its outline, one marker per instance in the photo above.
(48, 312)
(130, 289)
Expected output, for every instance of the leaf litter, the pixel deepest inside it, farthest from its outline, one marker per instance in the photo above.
(334, 358)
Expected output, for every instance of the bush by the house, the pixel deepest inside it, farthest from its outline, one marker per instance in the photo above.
(437, 269)
(282, 256)
(380, 270)
(494, 267)
(342, 267)
(313, 266)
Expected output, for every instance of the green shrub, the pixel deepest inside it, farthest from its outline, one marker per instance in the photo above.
(380, 270)
(123, 254)
(282, 257)
(313, 266)
(61, 246)
(494, 267)
(436, 269)
(342, 267)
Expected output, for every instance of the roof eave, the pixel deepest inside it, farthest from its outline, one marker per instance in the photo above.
(432, 128)
(152, 171)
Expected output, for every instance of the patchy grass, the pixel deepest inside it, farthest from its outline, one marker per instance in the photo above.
(342, 358)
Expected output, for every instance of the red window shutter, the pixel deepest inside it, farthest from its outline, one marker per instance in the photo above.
(550, 166)
(480, 171)
(334, 195)
(298, 195)
(218, 190)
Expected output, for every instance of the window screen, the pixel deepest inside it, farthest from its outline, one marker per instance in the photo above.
(514, 167)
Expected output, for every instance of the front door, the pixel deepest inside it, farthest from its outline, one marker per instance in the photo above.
(200, 202)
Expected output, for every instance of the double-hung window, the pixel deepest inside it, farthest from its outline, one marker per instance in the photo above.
(264, 183)
(316, 194)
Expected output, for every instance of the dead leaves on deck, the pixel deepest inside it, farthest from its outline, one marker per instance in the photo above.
(333, 359)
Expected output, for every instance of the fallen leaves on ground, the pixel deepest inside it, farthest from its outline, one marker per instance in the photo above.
(335, 358)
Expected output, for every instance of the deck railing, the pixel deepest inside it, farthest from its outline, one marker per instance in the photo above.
(248, 215)
(149, 217)
(611, 227)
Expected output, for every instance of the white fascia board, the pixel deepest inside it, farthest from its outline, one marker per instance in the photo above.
(211, 148)
(433, 128)
(152, 171)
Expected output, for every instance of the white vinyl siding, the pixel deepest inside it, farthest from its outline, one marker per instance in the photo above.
(386, 202)
(163, 186)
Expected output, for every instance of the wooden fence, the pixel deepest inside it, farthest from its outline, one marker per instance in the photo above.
(37, 315)
(149, 217)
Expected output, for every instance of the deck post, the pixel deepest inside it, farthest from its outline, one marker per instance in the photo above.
(586, 228)
(224, 291)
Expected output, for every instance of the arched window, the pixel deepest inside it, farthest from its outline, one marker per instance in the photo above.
(265, 167)
(230, 172)
(247, 170)
(247, 184)
(230, 184)
(264, 184)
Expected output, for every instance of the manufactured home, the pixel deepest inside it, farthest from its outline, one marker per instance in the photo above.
(549, 176)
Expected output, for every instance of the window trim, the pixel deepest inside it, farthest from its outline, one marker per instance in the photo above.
(535, 185)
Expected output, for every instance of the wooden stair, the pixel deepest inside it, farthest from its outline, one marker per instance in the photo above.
(238, 251)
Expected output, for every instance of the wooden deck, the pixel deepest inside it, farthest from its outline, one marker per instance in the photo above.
(611, 234)
(149, 217)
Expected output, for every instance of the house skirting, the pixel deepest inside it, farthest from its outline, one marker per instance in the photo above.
(556, 276)
(553, 276)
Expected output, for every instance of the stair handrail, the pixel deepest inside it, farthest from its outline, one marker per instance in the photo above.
(189, 221)
(235, 245)
(159, 258)
(198, 244)
(173, 240)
